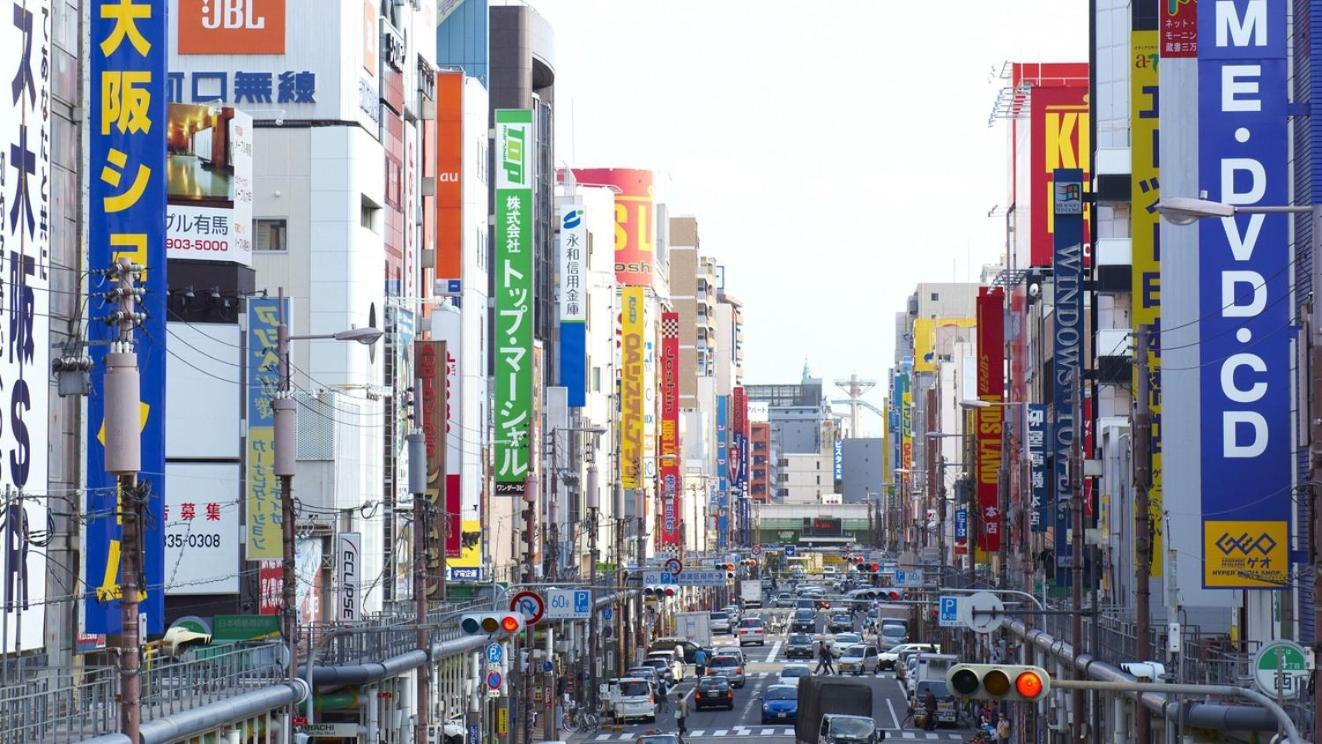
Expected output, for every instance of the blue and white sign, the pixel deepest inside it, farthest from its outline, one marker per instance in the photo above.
(838, 459)
(962, 525)
(1067, 349)
(1245, 328)
(495, 653)
(1038, 436)
(791, 551)
(949, 612)
(568, 604)
(900, 576)
(608, 613)
(688, 577)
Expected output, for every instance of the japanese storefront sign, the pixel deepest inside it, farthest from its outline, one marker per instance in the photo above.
(1145, 244)
(1067, 354)
(263, 487)
(572, 302)
(243, 86)
(210, 184)
(449, 178)
(1059, 140)
(201, 528)
(25, 215)
(991, 388)
(669, 447)
(348, 576)
(1040, 514)
(127, 194)
(633, 320)
(1246, 330)
(430, 367)
(1179, 29)
(514, 300)
(721, 500)
(447, 326)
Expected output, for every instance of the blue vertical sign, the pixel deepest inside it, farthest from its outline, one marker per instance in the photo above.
(1067, 350)
(572, 301)
(722, 504)
(126, 167)
(1245, 328)
(838, 460)
(962, 525)
(1038, 436)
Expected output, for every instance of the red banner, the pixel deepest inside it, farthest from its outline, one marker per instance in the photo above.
(669, 445)
(1059, 140)
(1179, 29)
(991, 388)
(635, 211)
(430, 367)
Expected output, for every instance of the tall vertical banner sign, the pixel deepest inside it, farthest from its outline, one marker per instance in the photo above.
(573, 302)
(906, 421)
(126, 203)
(430, 368)
(669, 445)
(1179, 29)
(264, 532)
(1244, 286)
(631, 387)
(991, 388)
(447, 326)
(448, 274)
(1067, 352)
(25, 214)
(738, 424)
(722, 502)
(514, 298)
(1038, 437)
(1146, 245)
(349, 576)
(635, 228)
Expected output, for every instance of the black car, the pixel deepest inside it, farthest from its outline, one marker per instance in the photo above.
(799, 646)
(804, 621)
(713, 692)
(841, 622)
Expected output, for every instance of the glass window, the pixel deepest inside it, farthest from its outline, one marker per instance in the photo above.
(272, 235)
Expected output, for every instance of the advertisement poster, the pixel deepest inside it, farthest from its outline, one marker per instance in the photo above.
(1245, 306)
(572, 301)
(201, 528)
(209, 217)
(512, 335)
(1039, 480)
(671, 508)
(990, 419)
(722, 500)
(447, 326)
(430, 366)
(126, 210)
(1179, 29)
(264, 536)
(348, 576)
(632, 302)
(448, 272)
(1059, 140)
(635, 227)
(1067, 353)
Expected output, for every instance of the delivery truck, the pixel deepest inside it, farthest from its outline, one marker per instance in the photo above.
(750, 593)
(695, 627)
(835, 710)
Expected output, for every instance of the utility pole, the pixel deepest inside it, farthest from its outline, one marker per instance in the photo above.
(594, 645)
(1315, 464)
(285, 445)
(640, 638)
(1076, 550)
(417, 448)
(123, 458)
(1142, 443)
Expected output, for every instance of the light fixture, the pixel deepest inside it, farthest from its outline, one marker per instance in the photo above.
(1185, 210)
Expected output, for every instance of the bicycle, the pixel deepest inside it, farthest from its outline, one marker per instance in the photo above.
(579, 718)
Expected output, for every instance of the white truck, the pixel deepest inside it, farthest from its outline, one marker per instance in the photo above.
(695, 627)
(750, 593)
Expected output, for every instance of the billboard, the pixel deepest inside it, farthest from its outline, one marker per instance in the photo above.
(1145, 226)
(635, 227)
(1179, 29)
(209, 183)
(1067, 353)
(722, 500)
(231, 26)
(925, 337)
(127, 154)
(990, 420)
(468, 566)
(1246, 329)
(572, 301)
(201, 528)
(671, 509)
(430, 369)
(447, 326)
(1040, 514)
(448, 271)
(512, 406)
(1059, 139)
(264, 515)
(631, 386)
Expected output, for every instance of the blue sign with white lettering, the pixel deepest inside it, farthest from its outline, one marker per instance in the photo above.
(949, 611)
(791, 551)
(582, 602)
(495, 653)
(900, 576)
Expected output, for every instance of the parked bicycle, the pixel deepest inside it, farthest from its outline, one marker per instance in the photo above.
(579, 718)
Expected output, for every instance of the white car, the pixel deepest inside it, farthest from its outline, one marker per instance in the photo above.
(842, 641)
(720, 622)
(632, 698)
(675, 668)
(891, 656)
(858, 659)
(828, 570)
(751, 630)
(790, 674)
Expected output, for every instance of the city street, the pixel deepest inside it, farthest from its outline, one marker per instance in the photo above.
(889, 706)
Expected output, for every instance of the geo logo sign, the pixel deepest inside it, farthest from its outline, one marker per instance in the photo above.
(231, 27)
(1246, 554)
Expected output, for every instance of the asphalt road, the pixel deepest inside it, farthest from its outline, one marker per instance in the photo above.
(764, 664)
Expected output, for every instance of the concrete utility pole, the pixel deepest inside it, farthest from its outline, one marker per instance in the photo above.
(1076, 551)
(417, 448)
(1142, 443)
(594, 643)
(286, 454)
(123, 458)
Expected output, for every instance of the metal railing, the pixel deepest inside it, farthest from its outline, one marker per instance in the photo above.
(218, 673)
(384, 636)
(55, 706)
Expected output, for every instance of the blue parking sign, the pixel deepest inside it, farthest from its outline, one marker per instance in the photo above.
(582, 602)
(949, 616)
(494, 653)
(899, 577)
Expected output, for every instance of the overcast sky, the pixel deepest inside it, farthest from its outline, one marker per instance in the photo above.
(835, 152)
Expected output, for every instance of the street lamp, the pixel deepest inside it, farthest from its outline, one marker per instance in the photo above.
(285, 455)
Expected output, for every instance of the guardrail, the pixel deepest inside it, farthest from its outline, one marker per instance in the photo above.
(55, 706)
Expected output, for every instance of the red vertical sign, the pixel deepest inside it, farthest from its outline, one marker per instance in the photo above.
(991, 388)
(429, 366)
(669, 444)
(1179, 29)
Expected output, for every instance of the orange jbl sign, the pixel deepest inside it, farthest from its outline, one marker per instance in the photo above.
(231, 26)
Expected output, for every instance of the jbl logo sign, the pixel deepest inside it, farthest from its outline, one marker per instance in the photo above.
(231, 26)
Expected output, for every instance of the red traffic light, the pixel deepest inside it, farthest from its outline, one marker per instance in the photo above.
(1028, 685)
(511, 623)
(670, 591)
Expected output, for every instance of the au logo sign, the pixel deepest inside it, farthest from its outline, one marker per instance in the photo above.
(1246, 554)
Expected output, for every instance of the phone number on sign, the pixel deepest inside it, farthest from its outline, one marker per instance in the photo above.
(207, 246)
(199, 540)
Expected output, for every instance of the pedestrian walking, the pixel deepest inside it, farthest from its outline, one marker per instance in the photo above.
(825, 661)
(662, 693)
(681, 714)
(929, 706)
(700, 661)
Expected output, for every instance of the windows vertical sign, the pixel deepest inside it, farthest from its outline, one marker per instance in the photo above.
(126, 163)
(1067, 351)
(25, 207)
(1244, 287)
(514, 298)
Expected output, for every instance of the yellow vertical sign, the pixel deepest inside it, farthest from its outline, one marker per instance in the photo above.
(1144, 225)
(632, 394)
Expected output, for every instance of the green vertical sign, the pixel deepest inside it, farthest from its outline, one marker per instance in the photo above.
(514, 300)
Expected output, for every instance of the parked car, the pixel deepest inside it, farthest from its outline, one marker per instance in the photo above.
(798, 646)
(730, 667)
(859, 659)
(645, 672)
(841, 622)
(780, 704)
(713, 692)
(751, 630)
(790, 674)
(720, 622)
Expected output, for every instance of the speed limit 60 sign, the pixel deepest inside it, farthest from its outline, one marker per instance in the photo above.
(568, 604)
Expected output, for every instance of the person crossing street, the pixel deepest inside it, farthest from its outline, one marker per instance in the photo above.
(825, 660)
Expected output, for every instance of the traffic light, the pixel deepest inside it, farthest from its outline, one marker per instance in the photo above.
(669, 591)
(492, 623)
(999, 682)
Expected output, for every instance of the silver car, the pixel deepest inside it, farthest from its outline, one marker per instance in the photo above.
(859, 659)
(730, 667)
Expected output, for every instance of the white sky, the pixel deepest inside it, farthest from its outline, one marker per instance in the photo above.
(835, 152)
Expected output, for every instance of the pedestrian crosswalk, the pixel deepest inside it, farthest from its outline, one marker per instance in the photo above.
(779, 731)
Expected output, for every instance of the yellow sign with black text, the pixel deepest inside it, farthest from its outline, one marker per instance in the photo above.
(1240, 555)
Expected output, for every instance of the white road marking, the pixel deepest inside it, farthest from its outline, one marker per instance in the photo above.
(603, 737)
(775, 649)
(698, 732)
(720, 732)
(934, 736)
(908, 735)
(894, 717)
(767, 732)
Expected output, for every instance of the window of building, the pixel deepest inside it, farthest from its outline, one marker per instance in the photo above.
(596, 379)
(271, 235)
(936, 296)
(369, 215)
